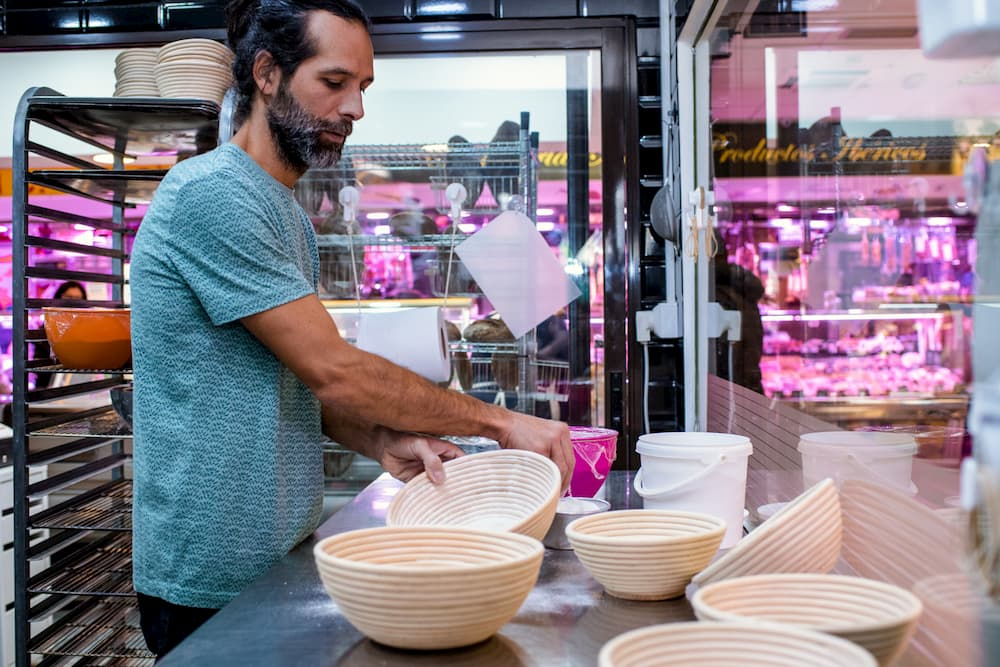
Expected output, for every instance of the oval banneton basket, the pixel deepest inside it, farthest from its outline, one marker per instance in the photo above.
(645, 554)
(428, 588)
(508, 489)
(735, 644)
(877, 616)
(803, 536)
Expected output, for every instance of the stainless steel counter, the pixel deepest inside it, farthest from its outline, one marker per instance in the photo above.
(286, 618)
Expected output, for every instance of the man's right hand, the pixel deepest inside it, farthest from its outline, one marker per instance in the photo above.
(544, 436)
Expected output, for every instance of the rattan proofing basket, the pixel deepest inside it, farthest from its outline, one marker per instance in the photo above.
(508, 489)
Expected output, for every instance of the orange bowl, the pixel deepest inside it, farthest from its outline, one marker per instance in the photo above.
(89, 338)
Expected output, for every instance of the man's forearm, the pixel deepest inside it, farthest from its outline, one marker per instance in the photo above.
(364, 385)
(359, 436)
(397, 398)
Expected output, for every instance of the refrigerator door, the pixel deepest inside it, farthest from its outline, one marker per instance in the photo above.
(836, 265)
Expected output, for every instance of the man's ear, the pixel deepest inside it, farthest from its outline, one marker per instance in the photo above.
(266, 73)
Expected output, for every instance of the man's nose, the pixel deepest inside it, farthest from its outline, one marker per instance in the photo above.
(353, 106)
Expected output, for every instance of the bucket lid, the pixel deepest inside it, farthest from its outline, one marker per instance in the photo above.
(692, 443)
(876, 444)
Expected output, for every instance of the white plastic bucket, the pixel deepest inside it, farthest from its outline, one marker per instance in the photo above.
(885, 458)
(696, 472)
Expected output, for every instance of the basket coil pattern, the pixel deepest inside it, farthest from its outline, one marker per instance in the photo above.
(645, 554)
(512, 490)
(877, 616)
(428, 588)
(803, 536)
(743, 644)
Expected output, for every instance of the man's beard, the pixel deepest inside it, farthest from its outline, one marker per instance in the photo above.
(298, 134)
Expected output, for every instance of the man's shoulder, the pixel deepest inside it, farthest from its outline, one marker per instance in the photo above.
(220, 165)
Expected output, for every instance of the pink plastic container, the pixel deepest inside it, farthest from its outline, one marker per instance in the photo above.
(595, 450)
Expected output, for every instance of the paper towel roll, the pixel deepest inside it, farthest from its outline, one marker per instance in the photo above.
(414, 338)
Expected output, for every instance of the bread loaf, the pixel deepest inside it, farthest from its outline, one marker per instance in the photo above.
(488, 331)
(503, 364)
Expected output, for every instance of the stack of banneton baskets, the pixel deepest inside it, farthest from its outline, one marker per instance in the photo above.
(134, 76)
(443, 573)
(194, 68)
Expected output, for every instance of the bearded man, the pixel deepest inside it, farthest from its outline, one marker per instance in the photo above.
(240, 373)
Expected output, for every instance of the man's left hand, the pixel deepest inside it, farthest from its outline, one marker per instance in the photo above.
(406, 455)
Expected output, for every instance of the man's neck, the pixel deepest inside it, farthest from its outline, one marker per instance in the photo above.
(255, 138)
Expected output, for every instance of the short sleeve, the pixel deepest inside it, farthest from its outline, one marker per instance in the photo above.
(235, 248)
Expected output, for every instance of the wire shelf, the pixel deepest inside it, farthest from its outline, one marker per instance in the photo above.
(418, 242)
(552, 380)
(59, 368)
(434, 156)
(485, 193)
(490, 172)
(109, 509)
(106, 571)
(513, 348)
(102, 425)
(107, 629)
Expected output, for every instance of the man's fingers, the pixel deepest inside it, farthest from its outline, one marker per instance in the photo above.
(431, 452)
(564, 457)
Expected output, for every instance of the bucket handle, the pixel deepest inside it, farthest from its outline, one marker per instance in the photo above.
(669, 490)
(877, 476)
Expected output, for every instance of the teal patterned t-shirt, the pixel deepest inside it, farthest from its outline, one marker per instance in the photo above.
(228, 461)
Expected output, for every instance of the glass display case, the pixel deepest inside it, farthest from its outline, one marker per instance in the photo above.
(834, 242)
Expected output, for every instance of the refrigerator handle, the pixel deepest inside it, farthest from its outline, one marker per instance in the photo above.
(616, 400)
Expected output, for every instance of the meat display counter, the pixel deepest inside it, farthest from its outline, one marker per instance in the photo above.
(885, 366)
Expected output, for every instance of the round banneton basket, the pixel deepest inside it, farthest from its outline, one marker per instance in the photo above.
(877, 616)
(645, 554)
(736, 644)
(803, 536)
(428, 588)
(509, 489)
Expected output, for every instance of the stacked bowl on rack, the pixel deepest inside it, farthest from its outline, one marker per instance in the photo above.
(134, 76)
(194, 68)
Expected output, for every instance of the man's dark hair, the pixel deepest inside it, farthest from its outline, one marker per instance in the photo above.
(280, 28)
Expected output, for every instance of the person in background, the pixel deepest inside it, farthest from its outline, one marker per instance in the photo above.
(240, 374)
(67, 291)
(552, 337)
(71, 291)
(499, 174)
